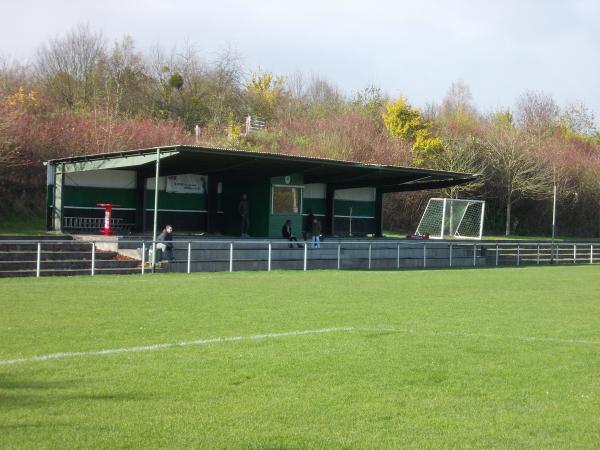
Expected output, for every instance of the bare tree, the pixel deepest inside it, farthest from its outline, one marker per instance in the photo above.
(70, 66)
(458, 99)
(462, 154)
(513, 168)
(579, 119)
(537, 112)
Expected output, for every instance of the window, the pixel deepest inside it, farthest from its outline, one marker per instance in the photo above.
(286, 200)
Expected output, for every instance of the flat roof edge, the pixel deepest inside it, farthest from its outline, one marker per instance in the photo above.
(260, 154)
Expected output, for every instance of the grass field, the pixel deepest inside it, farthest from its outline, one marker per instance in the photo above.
(23, 225)
(499, 358)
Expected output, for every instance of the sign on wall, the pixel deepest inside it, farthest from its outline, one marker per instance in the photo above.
(186, 184)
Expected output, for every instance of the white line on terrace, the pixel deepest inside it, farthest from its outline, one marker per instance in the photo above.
(148, 348)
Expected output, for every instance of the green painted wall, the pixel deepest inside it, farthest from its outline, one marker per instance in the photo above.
(89, 196)
(316, 205)
(276, 221)
(259, 199)
(342, 208)
(168, 200)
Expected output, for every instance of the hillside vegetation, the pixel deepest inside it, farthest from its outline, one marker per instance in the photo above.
(82, 94)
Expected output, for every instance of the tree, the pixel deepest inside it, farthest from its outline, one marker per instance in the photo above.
(402, 120)
(372, 101)
(405, 122)
(71, 67)
(513, 168)
(537, 113)
(264, 92)
(461, 154)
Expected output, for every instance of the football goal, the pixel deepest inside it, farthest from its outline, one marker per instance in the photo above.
(450, 218)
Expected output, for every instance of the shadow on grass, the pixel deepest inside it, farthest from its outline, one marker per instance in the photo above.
(18, 391)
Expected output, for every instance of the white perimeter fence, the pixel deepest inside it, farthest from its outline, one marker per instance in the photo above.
(66, 257)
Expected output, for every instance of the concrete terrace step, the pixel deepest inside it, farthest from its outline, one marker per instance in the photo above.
(69, 272)
(46, 246)
(43, 237)
(54, 255)
(83, 264)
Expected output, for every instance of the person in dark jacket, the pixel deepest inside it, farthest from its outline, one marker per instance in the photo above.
(307, 229)
(244, 212)
(286, 232)
(165, 239)
(316, 233)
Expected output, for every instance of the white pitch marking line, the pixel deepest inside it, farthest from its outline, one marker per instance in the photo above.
(256, 337)
(148, 348)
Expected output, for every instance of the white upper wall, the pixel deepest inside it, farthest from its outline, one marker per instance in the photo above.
(356, 194)
(117, 179)
(314, 190)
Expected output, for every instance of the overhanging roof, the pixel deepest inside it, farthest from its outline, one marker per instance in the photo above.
(231, 164)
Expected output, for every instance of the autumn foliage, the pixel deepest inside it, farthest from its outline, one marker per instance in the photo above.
(82, 96)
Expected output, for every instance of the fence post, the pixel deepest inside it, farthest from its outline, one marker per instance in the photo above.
(398, 258)
(450, 255)
(591, 253)
(338, 256)
(189, 258)
(574, 253)
(474, 255)
(369, 256)
(93, 258)
(305, 255)
(497, 253)
(269, 258)
(143, 256)
(424, 255)
(39, 259)
(538, 253)
(231, 256)
(518, 253)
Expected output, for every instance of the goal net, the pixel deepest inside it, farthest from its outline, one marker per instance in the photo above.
(450, 218)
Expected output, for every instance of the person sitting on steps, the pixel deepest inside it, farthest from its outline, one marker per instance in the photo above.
(286, 232)
(165, 245)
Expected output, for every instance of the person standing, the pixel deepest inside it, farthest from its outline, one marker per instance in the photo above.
(307, 228)
(244, 212)
(316, 233)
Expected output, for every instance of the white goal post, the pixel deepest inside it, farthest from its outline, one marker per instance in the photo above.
(452, 218)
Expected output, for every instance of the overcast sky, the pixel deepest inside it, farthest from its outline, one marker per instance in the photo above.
(498, 48)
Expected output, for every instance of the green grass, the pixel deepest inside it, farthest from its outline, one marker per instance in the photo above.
(23, 225)
(497, 358)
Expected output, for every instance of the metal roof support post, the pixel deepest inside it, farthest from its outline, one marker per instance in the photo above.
(57, 200)
(156, 174)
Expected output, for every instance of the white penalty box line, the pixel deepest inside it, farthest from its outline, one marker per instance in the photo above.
(265, 336)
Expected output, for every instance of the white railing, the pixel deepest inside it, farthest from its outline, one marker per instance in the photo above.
(32, 257)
